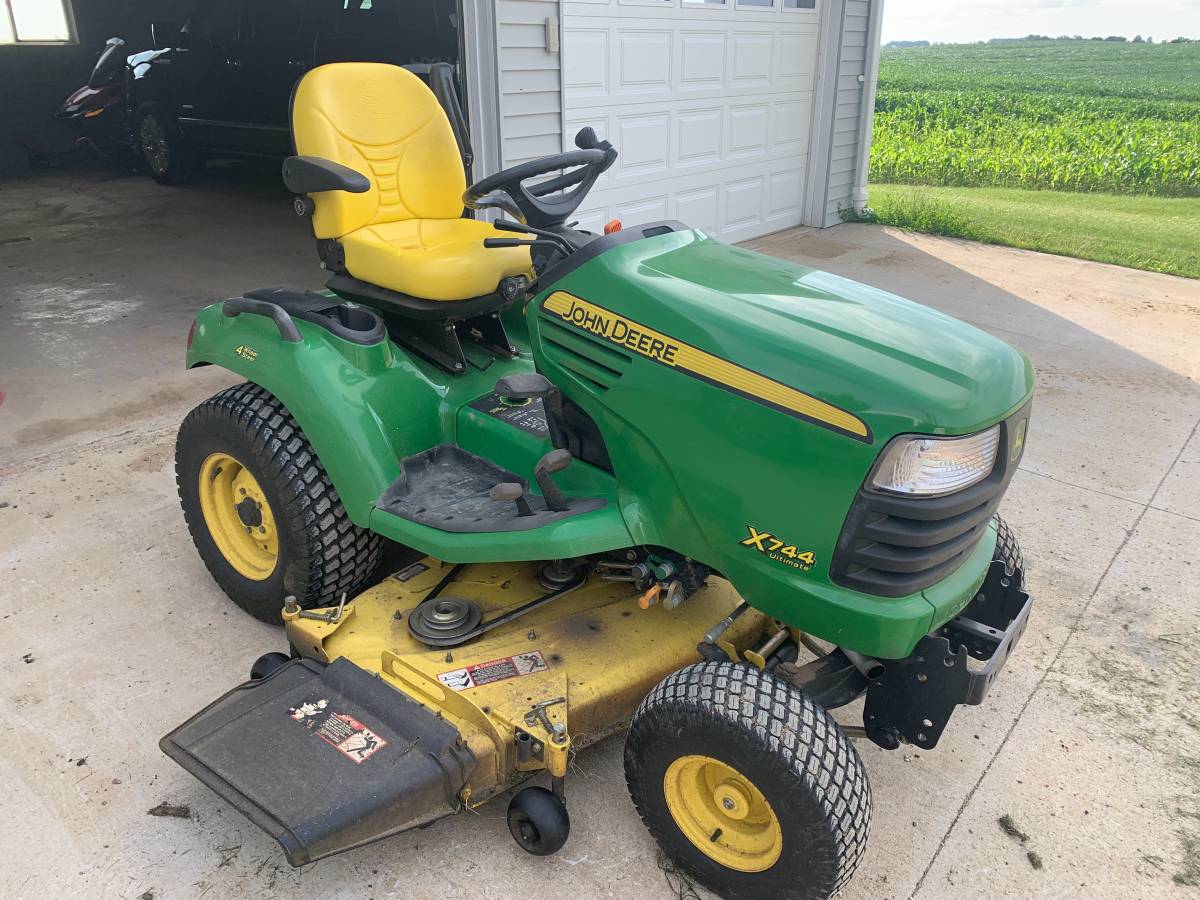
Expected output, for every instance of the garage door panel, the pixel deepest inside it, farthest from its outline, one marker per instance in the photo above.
(767, 198)
(709, 107)
(747, 131)
(701, 60)
(743, 202)
(585, 63)
(789, 123)
(786, 192)
(698, 133)
(650, 209)
(644, 61)
(750, 62)
(697, 208)
(698, 136)
(796, 55)
(644, 143)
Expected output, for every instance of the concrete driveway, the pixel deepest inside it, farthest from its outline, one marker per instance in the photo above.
(1088, 746)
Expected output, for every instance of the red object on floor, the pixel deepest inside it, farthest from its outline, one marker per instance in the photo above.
(613, 226)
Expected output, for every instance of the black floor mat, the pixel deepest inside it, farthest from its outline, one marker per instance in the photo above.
(447, 488)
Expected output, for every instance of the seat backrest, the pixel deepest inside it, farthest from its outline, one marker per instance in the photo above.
(384, 122)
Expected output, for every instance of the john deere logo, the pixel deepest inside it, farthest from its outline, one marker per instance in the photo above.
(1018, 442)
(675, 354)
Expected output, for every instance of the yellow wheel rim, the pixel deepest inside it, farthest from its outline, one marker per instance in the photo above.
(721, 811)
(238, 517)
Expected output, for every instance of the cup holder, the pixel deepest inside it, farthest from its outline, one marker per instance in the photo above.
(340, 318)
(351, 323)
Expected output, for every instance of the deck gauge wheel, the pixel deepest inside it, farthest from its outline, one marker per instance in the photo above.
(267, 664)
(538, 821)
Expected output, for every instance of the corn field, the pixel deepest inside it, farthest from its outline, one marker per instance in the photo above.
(1085, 116)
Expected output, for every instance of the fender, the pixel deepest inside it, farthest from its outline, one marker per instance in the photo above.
(361, 408)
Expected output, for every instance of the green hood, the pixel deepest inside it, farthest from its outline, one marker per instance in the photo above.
(899, 366)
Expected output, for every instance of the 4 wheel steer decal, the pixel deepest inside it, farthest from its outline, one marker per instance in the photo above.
(781, 551)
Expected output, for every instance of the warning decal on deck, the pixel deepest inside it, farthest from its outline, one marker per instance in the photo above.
(343, 732)
(494, 670)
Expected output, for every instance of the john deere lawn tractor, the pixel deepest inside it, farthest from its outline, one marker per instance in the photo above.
(649, 481)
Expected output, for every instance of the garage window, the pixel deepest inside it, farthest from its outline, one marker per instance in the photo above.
(36, 22)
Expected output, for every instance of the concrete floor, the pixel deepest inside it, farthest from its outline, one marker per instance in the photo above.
(114, 632)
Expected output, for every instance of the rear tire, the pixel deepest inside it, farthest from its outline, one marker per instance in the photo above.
(309, 547)
(163, 148)
(748, 784)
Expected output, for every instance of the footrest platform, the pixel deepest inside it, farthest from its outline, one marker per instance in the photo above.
(446, 487)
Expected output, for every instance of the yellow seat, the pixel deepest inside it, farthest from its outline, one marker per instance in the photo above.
(405, 232)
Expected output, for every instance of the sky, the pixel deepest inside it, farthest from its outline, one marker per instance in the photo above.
(957, 21)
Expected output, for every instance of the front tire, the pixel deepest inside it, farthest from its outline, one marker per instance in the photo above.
(164, 150)
(261, 509)
(748, 784)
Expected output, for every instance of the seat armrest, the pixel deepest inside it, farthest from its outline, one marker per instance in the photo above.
(312, 174)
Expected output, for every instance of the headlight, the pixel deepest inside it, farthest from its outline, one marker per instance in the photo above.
(932, 466)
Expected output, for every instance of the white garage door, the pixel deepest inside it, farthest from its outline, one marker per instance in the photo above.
(708, 102)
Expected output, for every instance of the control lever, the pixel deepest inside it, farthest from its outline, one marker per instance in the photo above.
(558, 240)
(510, 490)
(493, 243)
(531, 386)
(554, 461)
(524, 386)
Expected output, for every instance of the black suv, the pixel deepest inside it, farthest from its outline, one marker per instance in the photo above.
(221, 84)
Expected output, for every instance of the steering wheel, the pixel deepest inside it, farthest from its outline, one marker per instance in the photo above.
(533, 205)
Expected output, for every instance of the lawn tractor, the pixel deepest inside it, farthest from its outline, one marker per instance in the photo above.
(647, 482)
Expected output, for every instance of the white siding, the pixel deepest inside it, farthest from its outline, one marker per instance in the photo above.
(848, 109)
(529, 95)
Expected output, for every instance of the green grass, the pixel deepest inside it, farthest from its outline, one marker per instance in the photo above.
(1154, 233)
(1074, 68)
(1057, 115)
(1081, 148)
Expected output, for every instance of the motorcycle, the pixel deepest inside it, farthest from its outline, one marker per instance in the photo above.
(95, 118)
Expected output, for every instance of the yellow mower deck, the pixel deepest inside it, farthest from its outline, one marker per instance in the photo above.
(586, 659)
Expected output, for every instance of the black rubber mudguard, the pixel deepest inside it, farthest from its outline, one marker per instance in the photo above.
(324, 758)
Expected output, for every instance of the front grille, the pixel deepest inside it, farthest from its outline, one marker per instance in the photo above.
(599, 366)
(892, 546)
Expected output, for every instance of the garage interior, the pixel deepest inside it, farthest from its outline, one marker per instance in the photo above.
(115, 632)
